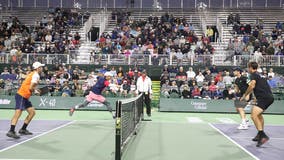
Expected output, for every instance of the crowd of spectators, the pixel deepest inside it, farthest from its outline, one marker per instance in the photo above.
(156, 36)
(68, 81)
(250, 39)
(210, 83)
(49, 35)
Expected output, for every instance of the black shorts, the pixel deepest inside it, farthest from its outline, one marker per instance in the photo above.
(22, 103)
(264, 103)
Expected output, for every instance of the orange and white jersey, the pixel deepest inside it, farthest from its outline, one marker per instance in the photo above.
(24, 90)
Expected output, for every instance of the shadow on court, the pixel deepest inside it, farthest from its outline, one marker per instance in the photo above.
(273, 149)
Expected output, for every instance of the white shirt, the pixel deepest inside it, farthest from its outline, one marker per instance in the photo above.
(144, 86)
(200, 78)
(271, 74)
(179, 55)
(13, 52)
(48, 38)
(190, 74)
(35, 78)
(227, 80)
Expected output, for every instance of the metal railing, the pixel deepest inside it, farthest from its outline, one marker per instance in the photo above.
(33, 57)
(143, 3)
(146, 59)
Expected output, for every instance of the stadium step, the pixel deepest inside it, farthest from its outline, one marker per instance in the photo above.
(156, 93)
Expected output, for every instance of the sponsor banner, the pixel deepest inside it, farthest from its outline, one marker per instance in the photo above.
(55, 102)
(219, 106)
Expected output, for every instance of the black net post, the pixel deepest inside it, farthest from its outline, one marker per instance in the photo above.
(118, 131)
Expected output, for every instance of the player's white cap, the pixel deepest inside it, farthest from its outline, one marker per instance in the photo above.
(37, 65)
(108, 74)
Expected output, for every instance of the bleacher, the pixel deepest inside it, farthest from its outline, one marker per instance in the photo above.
(269, 16)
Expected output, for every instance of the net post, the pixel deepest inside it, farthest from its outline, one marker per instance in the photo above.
(118, 131)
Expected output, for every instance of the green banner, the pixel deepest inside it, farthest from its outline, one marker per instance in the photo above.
(56, 102)
(219, 106)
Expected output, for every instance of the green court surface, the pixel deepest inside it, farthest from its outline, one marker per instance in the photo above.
(90, 136)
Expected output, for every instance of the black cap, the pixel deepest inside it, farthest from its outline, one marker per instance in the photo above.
(237, 69)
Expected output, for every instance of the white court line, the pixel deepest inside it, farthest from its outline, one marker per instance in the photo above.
(21, 159)
(2, 131)
(251, 138)
(194, 120)
(230, 139)
(44, 133)
(226, 120)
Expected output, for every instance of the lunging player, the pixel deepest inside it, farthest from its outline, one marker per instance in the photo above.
(96, 94)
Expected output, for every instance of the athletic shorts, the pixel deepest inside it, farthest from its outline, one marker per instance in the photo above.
(241, 104)
(264, 103)
(92, 96)
(22, 103)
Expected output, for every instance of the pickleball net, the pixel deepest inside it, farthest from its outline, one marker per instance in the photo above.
(129, 113)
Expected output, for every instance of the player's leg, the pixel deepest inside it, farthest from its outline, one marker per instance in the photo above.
(148, 104)
(108, 106)
(256, 138)
(11, 133)
(89, 99)
(31, 114)
(244, 123)
(20, 102)
(260, 117)
(256, 111)
(257, 118)
(81, 105)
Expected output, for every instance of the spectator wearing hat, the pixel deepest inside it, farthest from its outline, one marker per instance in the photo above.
(125, 88)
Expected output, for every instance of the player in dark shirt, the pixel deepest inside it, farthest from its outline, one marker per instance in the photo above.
(96, 94)
(241, 86)
(264, 97)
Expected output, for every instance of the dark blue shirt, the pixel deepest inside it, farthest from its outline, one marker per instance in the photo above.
(99, 86)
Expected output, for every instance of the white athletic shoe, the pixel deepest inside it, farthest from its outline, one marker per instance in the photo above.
(243, 127)
(248, 123)
(113, 115)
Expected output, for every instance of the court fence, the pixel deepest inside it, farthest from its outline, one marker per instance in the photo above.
(221, 59)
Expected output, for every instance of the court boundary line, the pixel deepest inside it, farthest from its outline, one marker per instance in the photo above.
(42, 134)
(233, 141)
(250, 138)
(21, 159)
(5, 131)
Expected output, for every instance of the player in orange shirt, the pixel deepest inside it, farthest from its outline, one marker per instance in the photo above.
(22, 101)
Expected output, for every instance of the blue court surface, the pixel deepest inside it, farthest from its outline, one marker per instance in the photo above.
(41, 127)
(271, 150)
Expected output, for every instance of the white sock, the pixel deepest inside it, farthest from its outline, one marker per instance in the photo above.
(77, 106)
(244, 121)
